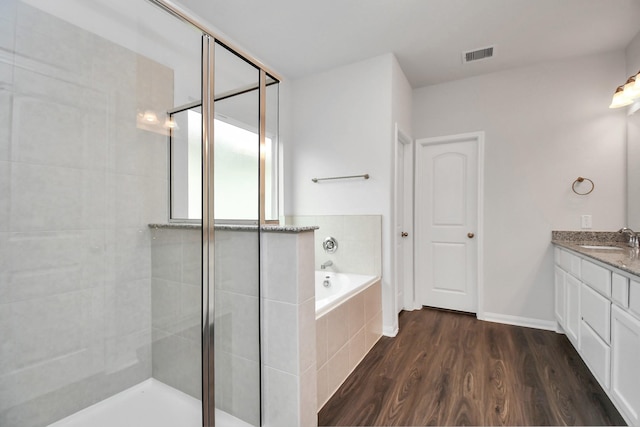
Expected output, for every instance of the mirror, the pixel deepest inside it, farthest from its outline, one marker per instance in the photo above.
(633, 171)
(633, 142)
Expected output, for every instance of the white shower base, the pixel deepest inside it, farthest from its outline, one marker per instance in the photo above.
(148, 404)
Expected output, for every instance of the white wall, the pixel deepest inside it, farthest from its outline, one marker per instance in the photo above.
(342, 124)
(632, 54)
(545, 126)
(401, 97)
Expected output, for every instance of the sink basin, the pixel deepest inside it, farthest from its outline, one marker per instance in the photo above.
(602, 247)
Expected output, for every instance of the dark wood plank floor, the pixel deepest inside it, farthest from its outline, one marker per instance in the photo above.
(448, 368)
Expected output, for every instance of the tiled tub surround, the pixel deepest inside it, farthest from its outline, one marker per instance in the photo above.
(344, 336)
(359, 241)
(288, 329)
(347, 333)
(79, 182)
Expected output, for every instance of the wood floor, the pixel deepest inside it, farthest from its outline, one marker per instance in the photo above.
(448, 368)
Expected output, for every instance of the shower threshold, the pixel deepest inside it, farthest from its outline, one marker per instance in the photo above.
(148, 404)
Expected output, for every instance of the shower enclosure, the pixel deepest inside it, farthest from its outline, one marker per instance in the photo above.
(138, 156)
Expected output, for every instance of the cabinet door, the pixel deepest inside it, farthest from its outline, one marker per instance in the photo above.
(569, 262)
(595, 310)
(599, 278)
(560, 294)
(625, 369)
(596, 353)
(620, 290)
(634, 297)
(572, 312)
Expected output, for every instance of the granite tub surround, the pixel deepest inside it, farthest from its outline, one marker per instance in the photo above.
(239, 227)
(626, 259)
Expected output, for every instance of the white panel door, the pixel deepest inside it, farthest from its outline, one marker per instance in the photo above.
(446, 222)
(401, 234)
(403, 222)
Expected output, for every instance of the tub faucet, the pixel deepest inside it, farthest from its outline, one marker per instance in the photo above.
(326, 264)
(634, 239)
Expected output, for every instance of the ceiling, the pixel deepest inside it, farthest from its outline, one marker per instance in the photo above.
(297, 38)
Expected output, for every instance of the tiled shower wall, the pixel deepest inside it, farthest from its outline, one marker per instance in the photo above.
(79, 182)
(237, 327)
(176, 288)
(359, 241)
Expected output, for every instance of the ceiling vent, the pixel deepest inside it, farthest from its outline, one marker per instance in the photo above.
(478, 55)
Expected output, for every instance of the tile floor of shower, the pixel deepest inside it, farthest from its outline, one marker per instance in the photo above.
(151, 404)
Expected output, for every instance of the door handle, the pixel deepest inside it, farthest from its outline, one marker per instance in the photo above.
(470, 235)
(404, 234)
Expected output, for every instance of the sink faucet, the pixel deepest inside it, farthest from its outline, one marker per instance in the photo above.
(326, 264)
(634, 240)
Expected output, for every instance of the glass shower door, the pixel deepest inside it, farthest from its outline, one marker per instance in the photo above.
(236, 152)
(96, 301)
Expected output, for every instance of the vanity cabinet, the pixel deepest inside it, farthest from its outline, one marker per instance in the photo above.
(598, 307)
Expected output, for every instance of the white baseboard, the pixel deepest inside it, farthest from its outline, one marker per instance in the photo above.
(527, 322)
(390, 331)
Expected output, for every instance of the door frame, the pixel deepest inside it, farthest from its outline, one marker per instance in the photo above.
(479, 138)
(402, 141)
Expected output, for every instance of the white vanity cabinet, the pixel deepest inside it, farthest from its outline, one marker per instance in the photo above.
(598, 307)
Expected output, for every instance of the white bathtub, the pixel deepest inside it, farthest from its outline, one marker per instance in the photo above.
(342, 287)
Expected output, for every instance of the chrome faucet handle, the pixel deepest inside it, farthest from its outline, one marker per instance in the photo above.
(634, 240)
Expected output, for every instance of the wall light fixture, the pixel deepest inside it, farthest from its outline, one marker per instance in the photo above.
(627, 93)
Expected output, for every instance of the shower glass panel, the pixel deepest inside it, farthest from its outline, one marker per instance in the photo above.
(95, 302)
(185, 154)
(236, 214)
(271, 150)
(237, 141)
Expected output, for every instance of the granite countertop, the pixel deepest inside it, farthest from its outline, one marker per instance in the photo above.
(626, 259)
(240, 227)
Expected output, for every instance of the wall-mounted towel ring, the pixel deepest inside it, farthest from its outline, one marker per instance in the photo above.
(581, 179)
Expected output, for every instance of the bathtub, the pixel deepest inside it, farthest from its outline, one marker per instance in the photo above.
(341, 287)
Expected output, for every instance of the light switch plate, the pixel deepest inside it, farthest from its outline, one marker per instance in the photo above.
(586, 221)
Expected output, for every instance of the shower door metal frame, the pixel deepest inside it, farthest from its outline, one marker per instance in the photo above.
(208, 234)
(209, 40)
